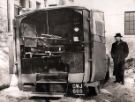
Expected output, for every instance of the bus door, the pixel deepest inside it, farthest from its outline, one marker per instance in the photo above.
(98, 48)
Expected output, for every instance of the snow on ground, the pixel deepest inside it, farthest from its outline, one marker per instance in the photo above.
(115, 92)
(111, 92)
(4, 66)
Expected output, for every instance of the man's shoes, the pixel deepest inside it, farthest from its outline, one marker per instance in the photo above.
(122, 82)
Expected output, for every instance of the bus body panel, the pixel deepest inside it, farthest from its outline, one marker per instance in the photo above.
(87, 38)
(98, 50)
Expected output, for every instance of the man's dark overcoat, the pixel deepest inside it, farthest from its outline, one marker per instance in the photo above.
(119, 52)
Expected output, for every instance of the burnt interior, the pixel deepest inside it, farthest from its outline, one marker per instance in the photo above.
(48, 41)
(52, 42)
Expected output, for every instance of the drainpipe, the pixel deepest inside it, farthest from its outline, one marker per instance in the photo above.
(11, 42)
(10, 15)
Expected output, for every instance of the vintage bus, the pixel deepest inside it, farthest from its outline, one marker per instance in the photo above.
(59, 51)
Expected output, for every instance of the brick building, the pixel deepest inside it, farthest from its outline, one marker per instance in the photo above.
(3, 18)
(8, 10)
(11, 8)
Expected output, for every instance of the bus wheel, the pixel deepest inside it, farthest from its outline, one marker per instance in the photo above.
(107, 77)
(92, 91)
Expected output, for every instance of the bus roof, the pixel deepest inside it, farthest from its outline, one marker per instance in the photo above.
(53, 8)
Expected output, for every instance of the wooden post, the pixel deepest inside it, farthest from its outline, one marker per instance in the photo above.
(11, 41)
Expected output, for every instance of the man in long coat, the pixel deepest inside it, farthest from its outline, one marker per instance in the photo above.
(119, 52)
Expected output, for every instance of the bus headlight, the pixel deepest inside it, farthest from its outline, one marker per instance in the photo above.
(76, 29)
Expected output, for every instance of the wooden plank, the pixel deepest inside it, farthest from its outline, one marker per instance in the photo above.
(11, 54)
(51, 82)
(52, 74)
(42, 94)
(18, 54)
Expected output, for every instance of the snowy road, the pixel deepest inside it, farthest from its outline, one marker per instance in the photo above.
(110, 93)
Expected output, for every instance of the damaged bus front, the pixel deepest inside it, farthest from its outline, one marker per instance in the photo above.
(60, 50)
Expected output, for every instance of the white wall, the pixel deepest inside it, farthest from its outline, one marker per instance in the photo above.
(3, 16)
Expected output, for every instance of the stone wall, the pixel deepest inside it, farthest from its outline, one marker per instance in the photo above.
(4, 51)
(4, 62)
(3, 19)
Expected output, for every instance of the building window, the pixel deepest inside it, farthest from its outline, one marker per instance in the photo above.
(16, 10)
(23, 3)
(30, 5)
(38, 5)
(129, 23)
